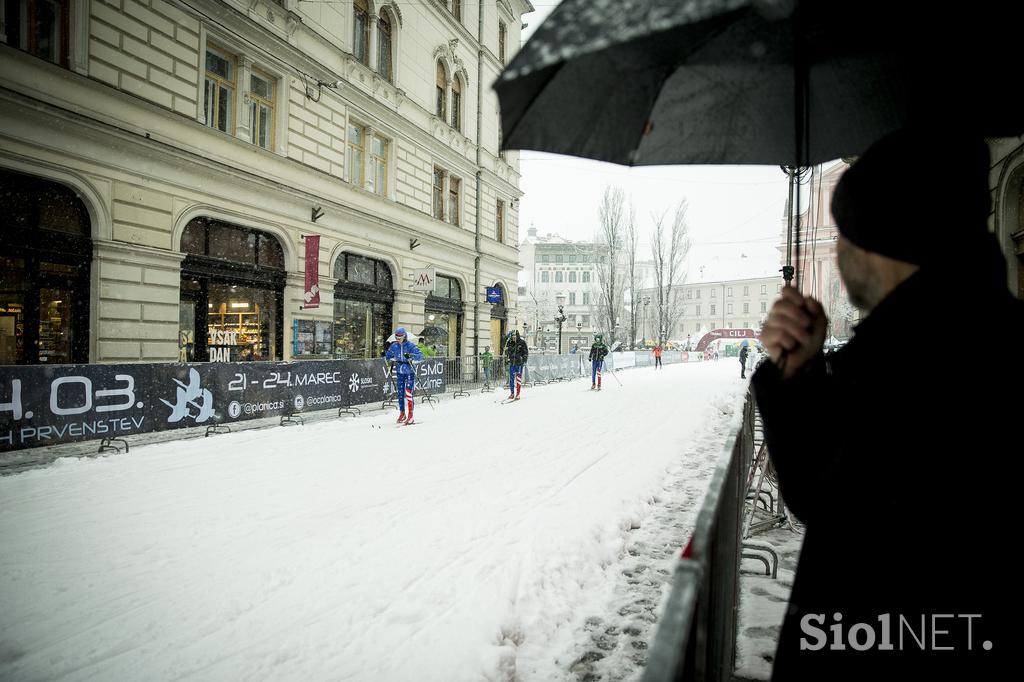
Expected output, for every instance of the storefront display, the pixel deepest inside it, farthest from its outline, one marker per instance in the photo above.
(45, 260)
(363, 300)
(444, 309)
(232, 293)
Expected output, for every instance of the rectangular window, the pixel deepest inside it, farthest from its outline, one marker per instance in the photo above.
(689, 293)
(698, 310)
(438, 193)
(502, 31)
(728, 292)
(499, 222)
(586, 320)
(39, 27)
(457, 9)
(746, 291)
(712, 308)
(378, 165)
(746, 308)
(384, 48)
(361, 32)
(545, 277)
(261, 110)
(558, 276)
(456, 106)
(572, 277)
(586, 277)
(764, 307)
(764, 288)
(586, 298)
(572, 298)
(356, 151)
(698, 293)
(220, 90)
(454, 185)
(728, 309)
(714, 292)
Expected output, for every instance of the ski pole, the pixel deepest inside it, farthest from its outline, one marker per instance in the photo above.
(615, 375)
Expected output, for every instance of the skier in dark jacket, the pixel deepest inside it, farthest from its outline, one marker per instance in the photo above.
(744, 351)
(597, 353)
(897, 581)
(517, 353)
(402, 354)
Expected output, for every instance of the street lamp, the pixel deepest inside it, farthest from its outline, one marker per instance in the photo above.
(643, 332)
(560, 319)
(579, 332)
(525, 328)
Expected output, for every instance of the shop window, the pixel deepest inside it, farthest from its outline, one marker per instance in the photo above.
(232, 293)
(363, 299)
(443, 310)
(361, 31)
(40, 27)
(220, 89)
(384, 48)
(45, 262)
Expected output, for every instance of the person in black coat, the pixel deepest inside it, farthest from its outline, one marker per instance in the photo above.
(902, 473)
(517, 353)
(744, 351)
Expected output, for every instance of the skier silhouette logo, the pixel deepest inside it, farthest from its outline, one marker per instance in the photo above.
(189, 396)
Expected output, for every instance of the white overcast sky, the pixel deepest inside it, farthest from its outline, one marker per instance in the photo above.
(735, 213)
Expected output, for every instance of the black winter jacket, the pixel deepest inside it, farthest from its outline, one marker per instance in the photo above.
(901, 472)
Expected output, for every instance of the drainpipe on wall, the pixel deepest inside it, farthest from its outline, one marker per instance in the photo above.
(479, 179)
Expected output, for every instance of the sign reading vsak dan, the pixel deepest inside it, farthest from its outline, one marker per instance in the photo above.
(45, 405)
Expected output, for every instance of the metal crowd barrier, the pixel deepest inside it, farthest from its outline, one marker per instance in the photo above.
(696, 637)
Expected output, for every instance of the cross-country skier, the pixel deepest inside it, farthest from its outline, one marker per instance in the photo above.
(597, 353)
(402, 354)
(516, 353)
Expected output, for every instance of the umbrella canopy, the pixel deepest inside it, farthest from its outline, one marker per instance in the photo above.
(429, 332)
(408, 335)
(644, 82)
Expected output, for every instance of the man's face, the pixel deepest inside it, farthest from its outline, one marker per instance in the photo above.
(856, 272)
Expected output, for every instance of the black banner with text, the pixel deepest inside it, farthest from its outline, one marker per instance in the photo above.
(45, 405)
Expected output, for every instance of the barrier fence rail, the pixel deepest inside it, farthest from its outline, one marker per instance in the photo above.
(696, 637)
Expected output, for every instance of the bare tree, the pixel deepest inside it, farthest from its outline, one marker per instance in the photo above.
(609, 244)
(669, 246)
(632, 271)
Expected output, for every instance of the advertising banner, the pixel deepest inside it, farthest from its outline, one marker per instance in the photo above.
(46, 405)
(311, 294)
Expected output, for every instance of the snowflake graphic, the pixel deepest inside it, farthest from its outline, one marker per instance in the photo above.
(353, 383)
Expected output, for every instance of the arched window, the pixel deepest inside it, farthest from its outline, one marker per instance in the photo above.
(363, 300)
(443, 310)
(384, 48)
(442, 85)
(361, 31)
(457, 103)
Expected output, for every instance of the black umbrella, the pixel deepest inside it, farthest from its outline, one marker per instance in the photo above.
(646, 82)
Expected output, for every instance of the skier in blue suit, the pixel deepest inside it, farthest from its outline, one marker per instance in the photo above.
(402, 354)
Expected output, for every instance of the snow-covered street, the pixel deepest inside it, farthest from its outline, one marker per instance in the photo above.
(478, 544)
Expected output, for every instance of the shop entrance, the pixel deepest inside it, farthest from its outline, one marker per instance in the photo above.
(232, 294)
(45, 261)
(363, 299)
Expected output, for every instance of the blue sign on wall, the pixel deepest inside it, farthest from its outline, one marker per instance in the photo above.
(494, 295)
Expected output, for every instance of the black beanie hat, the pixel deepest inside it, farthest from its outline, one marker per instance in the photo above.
(919, 197)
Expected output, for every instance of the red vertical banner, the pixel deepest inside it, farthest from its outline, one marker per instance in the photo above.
(311, 296)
